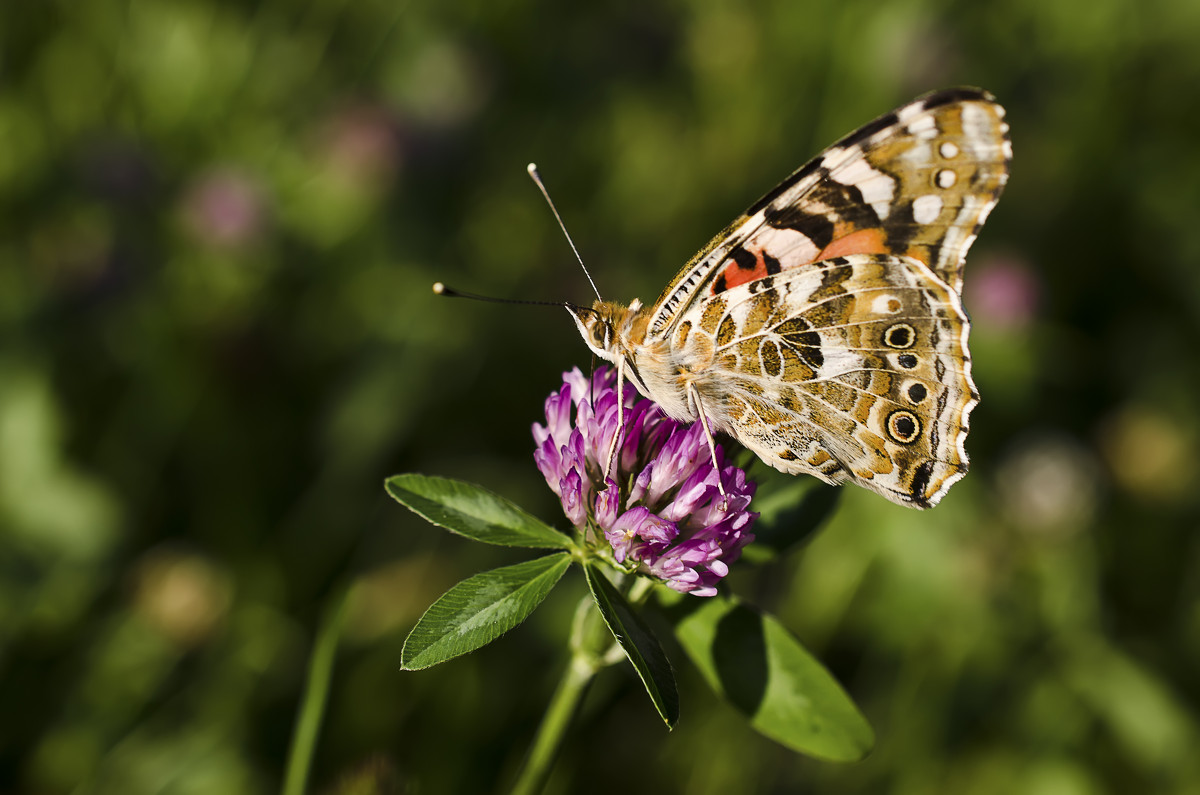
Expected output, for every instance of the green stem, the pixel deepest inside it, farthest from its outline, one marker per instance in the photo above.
(637, 590)
(553, 730)
(589, 650)
(316, 690)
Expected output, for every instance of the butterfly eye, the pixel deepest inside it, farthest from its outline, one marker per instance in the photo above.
(600, 334)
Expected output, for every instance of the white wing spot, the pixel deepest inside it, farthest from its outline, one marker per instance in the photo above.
(838, 361)
(784, 243)
(877, 188)
(985, 211)
(946, 178)
(926, 209)
(979, 129)
(887, 304)
(948, 149)
(923, 128)
(909, 111)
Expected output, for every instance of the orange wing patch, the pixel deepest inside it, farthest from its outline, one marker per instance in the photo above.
(864, 241)
(746, 266)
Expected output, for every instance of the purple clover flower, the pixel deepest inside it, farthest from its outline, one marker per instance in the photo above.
(661, 511)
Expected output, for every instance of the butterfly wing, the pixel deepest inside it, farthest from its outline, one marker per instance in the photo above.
(855, 368)
(918, 182)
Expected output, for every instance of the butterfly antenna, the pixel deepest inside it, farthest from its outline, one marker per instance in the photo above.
(537, 180)
(450, 292)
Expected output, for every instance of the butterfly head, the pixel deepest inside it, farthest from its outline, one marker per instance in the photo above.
(606, 326)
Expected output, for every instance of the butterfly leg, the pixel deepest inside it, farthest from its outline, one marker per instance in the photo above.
(694, 399)
(611, 460)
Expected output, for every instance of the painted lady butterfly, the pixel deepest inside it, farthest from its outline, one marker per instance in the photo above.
(824, 328)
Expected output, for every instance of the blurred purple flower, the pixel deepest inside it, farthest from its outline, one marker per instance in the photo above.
(1004, 293)
(661, 511)
(361, 145)
(225, 209)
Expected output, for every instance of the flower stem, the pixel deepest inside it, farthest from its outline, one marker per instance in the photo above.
(552, 732)
(316, 690)
(637, 590)
(589, 653)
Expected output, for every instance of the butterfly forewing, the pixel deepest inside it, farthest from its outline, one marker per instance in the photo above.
(918, 181)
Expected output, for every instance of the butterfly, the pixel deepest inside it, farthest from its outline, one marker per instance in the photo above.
(824, 328)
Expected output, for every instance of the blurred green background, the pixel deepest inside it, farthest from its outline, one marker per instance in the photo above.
(219, 222)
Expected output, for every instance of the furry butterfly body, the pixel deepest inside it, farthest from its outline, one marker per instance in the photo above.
(824, 329)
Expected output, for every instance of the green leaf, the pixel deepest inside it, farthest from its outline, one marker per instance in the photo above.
(761, 668)
(472, 511)
(639, 643)
(480, 609)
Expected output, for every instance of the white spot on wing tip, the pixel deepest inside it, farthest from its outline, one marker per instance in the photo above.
(977, 122)
(909, 111)
(948, 149)
(923, 128)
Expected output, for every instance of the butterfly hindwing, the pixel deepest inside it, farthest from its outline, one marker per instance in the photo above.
(918, 181)
(853, 369)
